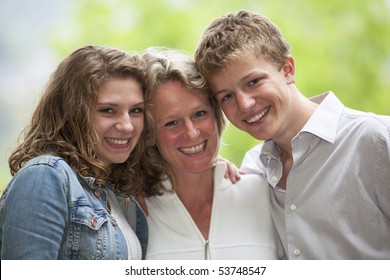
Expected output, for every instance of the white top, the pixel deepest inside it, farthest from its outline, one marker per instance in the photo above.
(134, 250)
(241, 225)
(337, 203)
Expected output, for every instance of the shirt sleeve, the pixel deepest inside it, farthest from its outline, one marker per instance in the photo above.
(382, 171)
(251, 163)
(35, 214)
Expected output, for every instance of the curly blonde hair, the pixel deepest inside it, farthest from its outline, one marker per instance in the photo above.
(62, 123)
(165, 65)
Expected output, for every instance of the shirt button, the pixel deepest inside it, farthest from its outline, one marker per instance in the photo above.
(274, 178)
(293, 207)
(297, 252)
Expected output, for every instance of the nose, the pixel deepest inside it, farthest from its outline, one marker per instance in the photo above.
(244, 101)
(124, 123)
(191, 130)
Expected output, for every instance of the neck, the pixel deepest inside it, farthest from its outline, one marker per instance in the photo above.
(195, 187)
(306, 108)
(196, 193)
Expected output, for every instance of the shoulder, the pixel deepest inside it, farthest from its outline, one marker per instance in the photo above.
(41, 179)
(249, 195)
(251, 162)
(255, 151)
(253, 182)
(367, 119)
(253, 178)
(44, 171)
(364, 124)
(48, 161)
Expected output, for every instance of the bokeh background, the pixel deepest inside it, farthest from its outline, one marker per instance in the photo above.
(342, 46)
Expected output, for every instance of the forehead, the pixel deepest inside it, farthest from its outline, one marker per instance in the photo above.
(239, 70)
(173, 96)
(120, 88)
(174, 90)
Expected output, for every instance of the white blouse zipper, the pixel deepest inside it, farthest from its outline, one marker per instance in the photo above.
(207, 251)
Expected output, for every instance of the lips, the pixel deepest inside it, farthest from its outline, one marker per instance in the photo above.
(193, 149)
(258, 116)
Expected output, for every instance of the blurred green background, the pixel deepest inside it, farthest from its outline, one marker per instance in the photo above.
(342, 46)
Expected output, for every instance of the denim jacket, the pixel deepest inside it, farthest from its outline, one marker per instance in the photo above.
(48, 211)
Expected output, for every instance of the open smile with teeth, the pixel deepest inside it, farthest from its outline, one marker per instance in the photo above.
(117, 142)
(194, 149)
(259, 116)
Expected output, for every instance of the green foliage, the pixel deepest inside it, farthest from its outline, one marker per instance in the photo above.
(342, 46)
(337, 45)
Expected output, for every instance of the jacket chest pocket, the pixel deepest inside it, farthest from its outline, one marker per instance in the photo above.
(90, 234)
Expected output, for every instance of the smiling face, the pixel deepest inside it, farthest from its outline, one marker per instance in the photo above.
(186, 131)
(255, 96)
(119, 119)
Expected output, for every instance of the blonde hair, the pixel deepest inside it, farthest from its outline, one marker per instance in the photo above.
(239, 35)
(62, 123)
(165, 65)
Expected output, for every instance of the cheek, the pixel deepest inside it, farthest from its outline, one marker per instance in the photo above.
(138, 129)
(139, 125)
(100, 126)
(210, 126)
(213, 126)
(228, 109)
(165, 142)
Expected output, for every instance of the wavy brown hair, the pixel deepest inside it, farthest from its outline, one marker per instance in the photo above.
(233, 36)
(165, 65)
(62, 123)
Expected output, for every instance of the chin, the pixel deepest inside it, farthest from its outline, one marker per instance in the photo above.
(117, 160)
(199, 168)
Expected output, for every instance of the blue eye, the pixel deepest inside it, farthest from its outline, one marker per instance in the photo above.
(254, 82)
(200, 114)
(227, 97)
(171, 123)
(106, 110)
(137, 110)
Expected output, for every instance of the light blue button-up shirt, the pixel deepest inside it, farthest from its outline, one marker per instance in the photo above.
(337, 201)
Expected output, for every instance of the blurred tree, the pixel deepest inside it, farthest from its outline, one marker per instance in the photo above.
(342, 46)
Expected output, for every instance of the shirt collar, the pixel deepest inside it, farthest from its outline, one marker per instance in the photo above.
(88, 181)
(270, 151)
(220, 182)
(325, 119)
(323, 123)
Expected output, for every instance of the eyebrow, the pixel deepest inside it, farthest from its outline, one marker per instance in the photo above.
(116, 104)
(221, 91)
(239, 81)
(199, 107)
(106, 104)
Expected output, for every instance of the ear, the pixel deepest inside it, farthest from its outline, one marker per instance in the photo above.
(289, 69)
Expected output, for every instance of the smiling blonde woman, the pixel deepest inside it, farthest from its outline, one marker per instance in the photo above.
(194, 211)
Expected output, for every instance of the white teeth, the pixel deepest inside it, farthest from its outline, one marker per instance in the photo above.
(258, 116)
(193, 150)
(117, 141)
